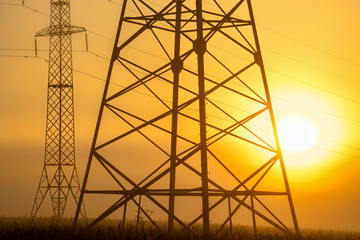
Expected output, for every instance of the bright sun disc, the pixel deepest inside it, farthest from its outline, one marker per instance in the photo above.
(297, 134)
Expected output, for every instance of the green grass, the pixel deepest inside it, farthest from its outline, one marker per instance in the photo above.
(48, 228)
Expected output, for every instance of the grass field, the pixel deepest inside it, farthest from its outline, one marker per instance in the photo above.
(47, 228)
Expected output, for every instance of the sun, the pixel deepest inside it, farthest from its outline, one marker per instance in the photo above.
(297, 134)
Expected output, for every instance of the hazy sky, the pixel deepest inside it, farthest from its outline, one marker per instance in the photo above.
(311, 55)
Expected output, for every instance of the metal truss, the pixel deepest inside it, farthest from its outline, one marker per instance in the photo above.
(186, 128)
(59, 176)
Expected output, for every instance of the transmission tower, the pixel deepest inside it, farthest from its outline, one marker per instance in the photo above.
(186, 128)
(59, 176)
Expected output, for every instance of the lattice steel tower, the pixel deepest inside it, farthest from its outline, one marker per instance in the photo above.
(186, 129)
(59, 176)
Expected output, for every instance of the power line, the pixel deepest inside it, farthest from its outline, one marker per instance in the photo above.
(315, 109)
(345, 145)
(280, 34)
(100, 56)
(100, 35)
(19, 49)
(302, 43)
(330, 150)
(115, 3)
(308, 45)
(33, 50)
(293, 78)
(26, 6)
(331, 9)
(239, 109)
(298, 80)
(35, 10)
(282, 99)
(11, 4)
(20, 56)
(280, 54)
(283, 35)
(261, 26)
(344, 154)
(310, 65)
(313, 86)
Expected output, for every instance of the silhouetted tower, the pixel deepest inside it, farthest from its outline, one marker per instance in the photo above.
(186, 129)
(59, 176)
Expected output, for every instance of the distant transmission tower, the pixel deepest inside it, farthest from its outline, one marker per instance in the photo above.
(59, 176)
(186, 128)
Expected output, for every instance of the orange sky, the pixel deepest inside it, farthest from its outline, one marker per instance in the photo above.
(311, 54)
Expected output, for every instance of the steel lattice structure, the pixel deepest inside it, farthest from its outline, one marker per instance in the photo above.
(59, 176)
(186, 128)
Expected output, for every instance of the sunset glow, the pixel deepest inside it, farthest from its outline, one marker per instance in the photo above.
(308, 77)
(297, 134)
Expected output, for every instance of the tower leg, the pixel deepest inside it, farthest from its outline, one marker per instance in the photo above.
(176, 69)
(200, 48)
(258, 58)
